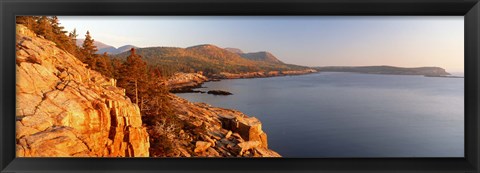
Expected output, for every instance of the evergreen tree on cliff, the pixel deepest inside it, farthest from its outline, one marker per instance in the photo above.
(158, 106)
(29, 21)
(133, 76)
(56, 28)
(73, 36)
(44, 28)
(88, 45)
(75, 50)
(89, 49)
(60, 36)
(104, 65)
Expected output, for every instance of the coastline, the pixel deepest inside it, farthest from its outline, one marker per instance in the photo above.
(227, 132)
(187, 82)
(271, 99)
(218, 132)
(65, 109)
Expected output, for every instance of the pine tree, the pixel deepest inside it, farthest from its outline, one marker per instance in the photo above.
(88, 50)
(49, 28)
(58, 35)
(133, 76)
(56, 28)
(44, 28)
(73, 36)
(28, 21)
(157, 105)
(117, 66)
(104, 65)
(88, 45)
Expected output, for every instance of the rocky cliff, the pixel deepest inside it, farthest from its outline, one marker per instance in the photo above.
(64, 109)
(218, 132)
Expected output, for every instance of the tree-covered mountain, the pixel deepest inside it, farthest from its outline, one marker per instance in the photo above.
(208, 58)
(261, 56)
(256, 56)
(102, 47)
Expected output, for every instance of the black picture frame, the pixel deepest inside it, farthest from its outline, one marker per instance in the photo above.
(470, 9)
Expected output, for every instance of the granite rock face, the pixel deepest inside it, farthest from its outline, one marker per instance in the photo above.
(226, 132)
(64, 109)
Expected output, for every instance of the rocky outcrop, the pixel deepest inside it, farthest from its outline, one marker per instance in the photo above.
(225, 132)
(64, 109)
(219, 92)
(249, 128)
(182, 82)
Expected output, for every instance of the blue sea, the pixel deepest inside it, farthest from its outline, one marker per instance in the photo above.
(335, 114)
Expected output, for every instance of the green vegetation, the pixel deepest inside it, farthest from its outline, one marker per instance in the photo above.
(209, 59)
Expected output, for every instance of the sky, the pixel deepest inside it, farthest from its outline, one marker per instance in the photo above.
(405, 41)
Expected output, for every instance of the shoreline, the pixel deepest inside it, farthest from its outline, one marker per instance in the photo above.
(191, 81)
(249, 90)
(225, 132)
(187, 82)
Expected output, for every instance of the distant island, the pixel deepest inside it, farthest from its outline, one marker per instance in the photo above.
(425, 71)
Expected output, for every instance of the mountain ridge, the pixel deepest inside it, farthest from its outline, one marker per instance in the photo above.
(105, 48)
(207, 58)
(256, 56)
(261, 56)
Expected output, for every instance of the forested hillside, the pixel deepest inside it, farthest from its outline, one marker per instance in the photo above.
(209, 59)
(257, 56)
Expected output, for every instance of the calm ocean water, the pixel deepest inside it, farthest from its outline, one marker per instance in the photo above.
(351, 115)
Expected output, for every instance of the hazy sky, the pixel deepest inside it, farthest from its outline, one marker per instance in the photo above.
(407, 41)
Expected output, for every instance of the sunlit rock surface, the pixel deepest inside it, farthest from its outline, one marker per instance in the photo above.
(64, 109)
(227, 132)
